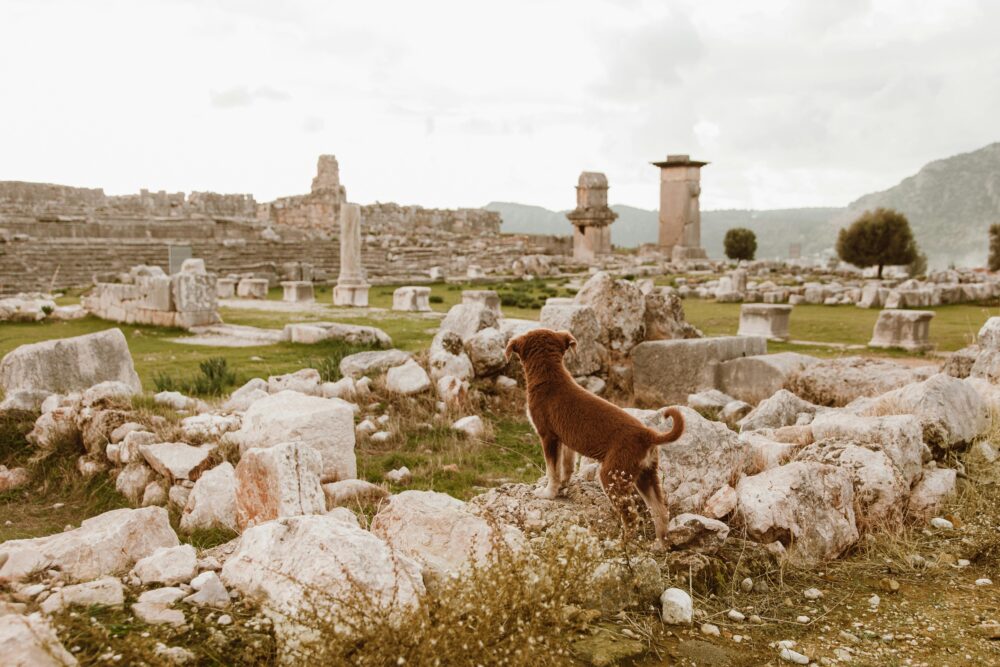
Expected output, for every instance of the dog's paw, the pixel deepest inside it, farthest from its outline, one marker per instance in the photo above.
(658, 547)
(546, 493)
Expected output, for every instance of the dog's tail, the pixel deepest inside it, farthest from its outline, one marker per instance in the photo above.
(676, 431)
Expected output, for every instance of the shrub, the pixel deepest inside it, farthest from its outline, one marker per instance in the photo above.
(918, 267)
(215, 379)
(994, 260)
(877, 238)
(436, 298)
(329, 366)
(740, 243)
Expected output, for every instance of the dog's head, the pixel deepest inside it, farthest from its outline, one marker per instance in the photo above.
(540, 341)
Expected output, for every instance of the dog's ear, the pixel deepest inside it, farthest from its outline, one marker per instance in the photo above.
(568, 340)
(513, 346)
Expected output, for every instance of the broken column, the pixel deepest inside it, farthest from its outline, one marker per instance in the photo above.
(352, 288)
(297, 291)
(764, 319)
(252, 288)
(591, 218)
(225, 288)
(906, 329)
(680, 212)
(412, 299)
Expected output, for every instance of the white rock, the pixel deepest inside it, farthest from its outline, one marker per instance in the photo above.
(305, 381)
(177, 460)
(174, 400)
(710, 630)
(929, 493)
(104, 592)
(211, 503)
(408, 379)
(366, 427)
(788, 655)
(486, 351)
(342, 389)
(677, 607)
(451, 390)
(279, 481)
(167, 595)
(942, 524)
(210, 591)
(802, 619)
(30, 641)
(371, 362)
(808, 506)
(168, 566)
(693, 532)
(351, 492)
(472, 426)
(155, 493)
(782, 409)
(109, 543)
(324, 424)
(440, 532)
(721, 503)
(308, 563)
(812, 593)
(241, 399)
(620, 307)
(158, 614)
(399, 475)
(736, 615)
(984, 582)
(133, 480)
(208, 426)
(900, 437)
(466, 319)
(381, 436)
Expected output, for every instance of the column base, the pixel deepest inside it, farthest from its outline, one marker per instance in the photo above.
(351, 295)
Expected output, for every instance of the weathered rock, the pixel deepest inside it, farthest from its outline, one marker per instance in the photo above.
(278, 481)
(372, 362)
(722, 503)
(244, 397)
(676, 607)
(693, 532)
(168, 566)
(734, 412)
(707, 457)
(103, 592)
(175, 400)
(837, 382)
(133, 480)
(447, 357)
(69, 364)
(305, 381)
(590, 355)
(155, 493)
(709, 403)
(929, 493)
(486, 351)
(301, 566)
(211, 504)
(451, 390)
(30, 641)
(621, 583)
(354, 334)
(153, 613)
(343, 389)
(411, 299)
(472, 426)
(27, 401)
(585, 505)
(54, 430)
(438, 531)
(351, 492)
(905, 329)
(209, 591)
(96, 427)
(407, 379)
(664, 316)
(667, 371)
(807, 506)
(765, 452)
(177, 460)
(764, 319)
(208, 426)
(107, 393)
(755, 378)
(324, 424)
(105, 544)
(782, 409)
(466, 319)
(899, 436)
(620, 309)
(13, 478)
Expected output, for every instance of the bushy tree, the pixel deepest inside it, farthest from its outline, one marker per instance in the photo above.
(740, 243)
(877, 238)
(994, 260)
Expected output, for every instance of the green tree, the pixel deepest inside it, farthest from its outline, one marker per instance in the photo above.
(877, 238)
(740, 243)
(994, 261)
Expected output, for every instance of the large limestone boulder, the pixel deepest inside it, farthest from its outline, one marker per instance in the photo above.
(278, 481)
(109, 543)
(408, 379)
(103, 592)
(585, 505)
(447, 357)
(900, 437)
(168, 566)
(880, 491)
(664, 316)
(837, 382)
(782, 409)
(324, 424)
(466, 319)
(805, 505)
(212, 501)
(31, 641)
(753, 379)
(486, 351)
(69, 364)
(620, 308)
(707, 457)
(371, 362)
(929, 494)
(438, 531)
(590, 355)
(950, 410)
(306, 566)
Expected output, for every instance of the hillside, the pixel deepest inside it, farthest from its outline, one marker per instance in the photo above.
(950, 204)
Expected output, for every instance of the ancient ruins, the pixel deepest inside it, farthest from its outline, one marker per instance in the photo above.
(591, 218)
(680, 210)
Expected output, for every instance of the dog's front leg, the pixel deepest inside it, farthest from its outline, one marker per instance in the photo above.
(550, 448)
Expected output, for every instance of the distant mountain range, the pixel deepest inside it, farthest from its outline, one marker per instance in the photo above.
(950, 204)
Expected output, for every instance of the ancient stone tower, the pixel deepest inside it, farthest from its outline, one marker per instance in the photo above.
(680, 213)
(591, 218)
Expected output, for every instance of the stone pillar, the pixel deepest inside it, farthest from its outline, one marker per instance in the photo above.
(298, 291)
(680, 212)
(906, 329)
(352, 288)
(762, 319)
(591, 218)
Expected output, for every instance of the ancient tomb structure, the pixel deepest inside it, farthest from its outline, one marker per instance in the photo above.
(680, 212)
(906, 329)
(352, 288)
(763, 319)
(149, 296)
(591, 218)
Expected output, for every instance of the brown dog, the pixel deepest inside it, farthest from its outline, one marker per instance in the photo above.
(570, 419)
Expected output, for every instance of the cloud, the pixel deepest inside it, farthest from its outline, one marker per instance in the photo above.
(313, 124)
(242, 96)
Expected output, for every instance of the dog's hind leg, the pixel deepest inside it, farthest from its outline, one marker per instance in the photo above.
(567, 463)
(649, 487)
(550, 448)
(618, 483)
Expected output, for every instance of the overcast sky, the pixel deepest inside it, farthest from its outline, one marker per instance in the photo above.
(795, 103)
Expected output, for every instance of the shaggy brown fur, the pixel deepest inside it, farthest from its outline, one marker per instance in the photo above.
(570, 419)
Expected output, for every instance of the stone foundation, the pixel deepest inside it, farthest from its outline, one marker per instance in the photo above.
(906, 329)
(769, 321)
(184, 300)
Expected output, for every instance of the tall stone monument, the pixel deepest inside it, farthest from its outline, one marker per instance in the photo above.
(680, 213)
(352, 288)
(591, 218)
